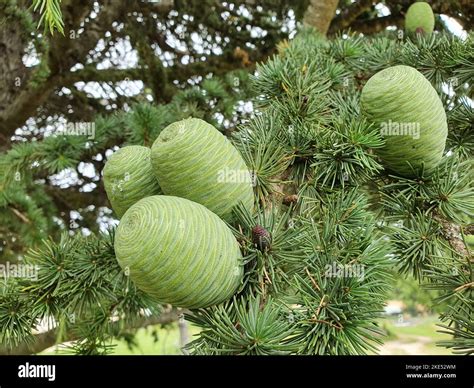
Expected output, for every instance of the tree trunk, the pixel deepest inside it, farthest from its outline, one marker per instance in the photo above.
(13, 72)
(320, 14)
(183, 334)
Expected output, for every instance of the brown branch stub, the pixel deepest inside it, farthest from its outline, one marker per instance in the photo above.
(464, 286)
(290, 199)
(453, 234)
(335, 325)
(243, 56)
(322, 304)
(313, 282)
(20, 215)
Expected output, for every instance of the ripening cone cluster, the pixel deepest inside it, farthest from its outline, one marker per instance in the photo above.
(172, 200)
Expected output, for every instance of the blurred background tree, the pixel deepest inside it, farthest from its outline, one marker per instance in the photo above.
(122, 70)
(99, 57)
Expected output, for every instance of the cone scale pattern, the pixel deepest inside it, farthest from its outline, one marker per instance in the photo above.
(129, 177)
(179, 252)
(419, 18)
(193, 160)
(401, 102)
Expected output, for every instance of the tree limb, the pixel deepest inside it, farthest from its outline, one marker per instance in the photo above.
(349, 15)
(64, 52)
(49, 338)
(92, 74)
(320, 13)
(452, 233)
(375, 25)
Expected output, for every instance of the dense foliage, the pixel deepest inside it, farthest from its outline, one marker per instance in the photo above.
(339, 222)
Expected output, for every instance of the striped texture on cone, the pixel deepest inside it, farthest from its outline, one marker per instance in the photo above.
(129, 177)
(193, 160)
(401, 102)
(179, 252)
(419, 18)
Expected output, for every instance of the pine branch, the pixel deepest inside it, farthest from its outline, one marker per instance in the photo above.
(51, 16)
(243, 327)
(318, 262)
(49, 338)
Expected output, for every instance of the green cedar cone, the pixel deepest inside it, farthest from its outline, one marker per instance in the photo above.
(419, 18)
(128, 177)
(193, 160)
(179, 252)
(401, 102)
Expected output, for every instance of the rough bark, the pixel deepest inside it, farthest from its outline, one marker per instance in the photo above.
(183, 334)
(452, 233)
(320, 13)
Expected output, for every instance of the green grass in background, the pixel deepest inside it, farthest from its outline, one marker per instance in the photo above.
(424, 326)
(167, 344)
(418, 338)
(422, 335)
(423, 332)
